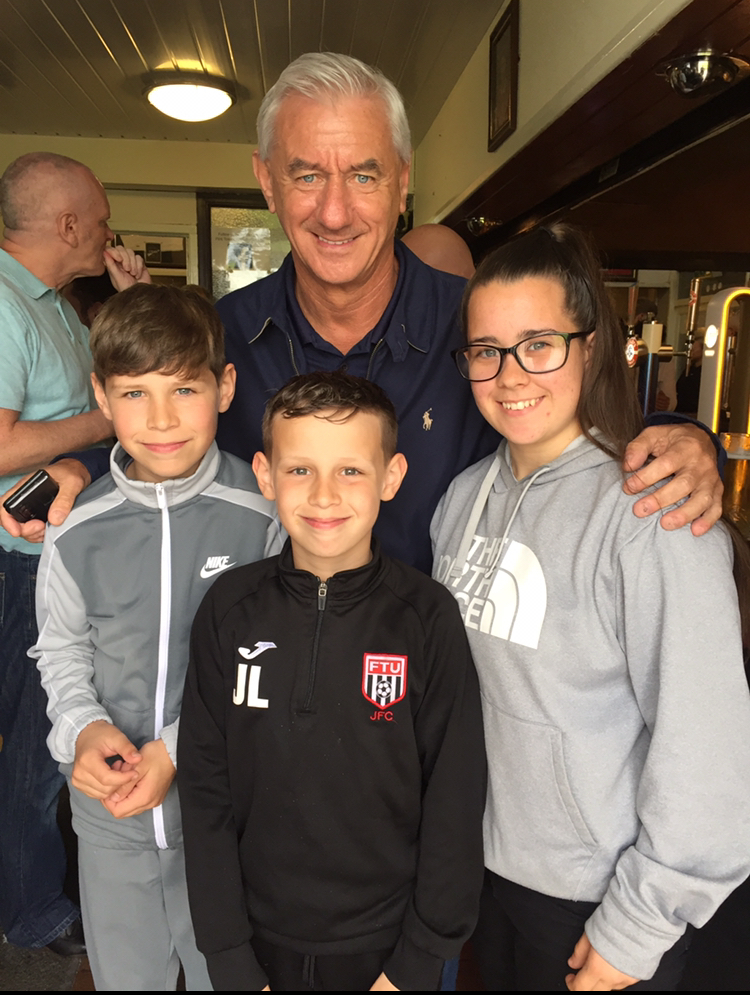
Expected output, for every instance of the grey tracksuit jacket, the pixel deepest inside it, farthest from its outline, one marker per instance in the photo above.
(118, 585)
(616, 711)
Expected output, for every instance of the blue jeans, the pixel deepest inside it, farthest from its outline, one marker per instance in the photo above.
(33, 908)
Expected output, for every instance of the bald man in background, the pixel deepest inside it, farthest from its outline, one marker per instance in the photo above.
(442, 248)
(56, 218)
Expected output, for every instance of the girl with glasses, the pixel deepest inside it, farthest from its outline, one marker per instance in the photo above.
(609, 650)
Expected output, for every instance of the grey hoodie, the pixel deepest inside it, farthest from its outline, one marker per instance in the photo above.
(118, 585)
(616, 711)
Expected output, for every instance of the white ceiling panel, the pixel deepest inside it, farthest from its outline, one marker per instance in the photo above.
(79, 67)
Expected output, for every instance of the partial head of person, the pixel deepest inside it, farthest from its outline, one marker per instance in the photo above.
(161, 376)
(646, 309)
(544, 350)
(442, 248)
(56, 217)
(330, 459)
(333, 158)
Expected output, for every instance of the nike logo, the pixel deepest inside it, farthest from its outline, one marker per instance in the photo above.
(260, 648)
(214, 565)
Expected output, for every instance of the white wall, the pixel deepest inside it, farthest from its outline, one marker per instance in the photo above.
(566, 46)
(130, 162)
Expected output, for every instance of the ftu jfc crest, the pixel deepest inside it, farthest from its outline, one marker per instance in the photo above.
(384, 678)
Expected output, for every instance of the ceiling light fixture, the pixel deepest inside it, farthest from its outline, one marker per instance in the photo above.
(190, 96)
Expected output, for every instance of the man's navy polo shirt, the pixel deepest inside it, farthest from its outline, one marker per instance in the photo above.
(407, 353)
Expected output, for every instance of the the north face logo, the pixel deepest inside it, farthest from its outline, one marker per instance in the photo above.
(508, 601)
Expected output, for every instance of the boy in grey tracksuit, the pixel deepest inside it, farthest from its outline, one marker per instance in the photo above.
(118, 586)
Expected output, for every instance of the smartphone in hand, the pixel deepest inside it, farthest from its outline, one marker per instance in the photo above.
(33, 499)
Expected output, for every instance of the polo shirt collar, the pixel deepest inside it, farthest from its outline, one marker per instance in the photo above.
(31, 285)
(402, 324)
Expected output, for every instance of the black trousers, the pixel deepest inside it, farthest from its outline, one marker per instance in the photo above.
(289, 971)
(523, 941)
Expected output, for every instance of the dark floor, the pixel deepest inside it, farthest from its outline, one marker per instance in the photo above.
(84, 981)
(42, 971)
(36, 970)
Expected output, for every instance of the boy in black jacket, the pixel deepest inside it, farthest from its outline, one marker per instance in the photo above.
(331, 757)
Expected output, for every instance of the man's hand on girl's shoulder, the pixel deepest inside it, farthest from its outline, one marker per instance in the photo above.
(685, 453)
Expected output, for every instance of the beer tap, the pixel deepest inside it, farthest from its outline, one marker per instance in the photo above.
(692, 316)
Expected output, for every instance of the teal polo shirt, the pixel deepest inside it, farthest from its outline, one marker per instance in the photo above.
(45, 362)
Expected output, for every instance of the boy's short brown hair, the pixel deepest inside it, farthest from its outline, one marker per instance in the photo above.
(314, 393)
(148, 328)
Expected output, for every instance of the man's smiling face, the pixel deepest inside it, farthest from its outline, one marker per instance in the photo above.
(338, 185)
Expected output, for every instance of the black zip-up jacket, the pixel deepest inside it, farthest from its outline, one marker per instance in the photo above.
(331, 770)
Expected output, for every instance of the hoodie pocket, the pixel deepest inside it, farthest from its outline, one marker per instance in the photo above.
(535, 833)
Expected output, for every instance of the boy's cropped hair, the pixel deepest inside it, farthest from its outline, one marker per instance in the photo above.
(148, 328)
(312, 393)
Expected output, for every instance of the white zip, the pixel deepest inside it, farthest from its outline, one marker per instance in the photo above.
(165, 617)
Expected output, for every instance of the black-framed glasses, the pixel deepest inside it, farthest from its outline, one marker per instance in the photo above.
(538, 354)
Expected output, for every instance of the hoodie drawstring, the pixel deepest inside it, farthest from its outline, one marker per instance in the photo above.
(476, 513)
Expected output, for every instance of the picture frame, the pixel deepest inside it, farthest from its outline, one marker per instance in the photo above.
(153, 254)
(503, 77)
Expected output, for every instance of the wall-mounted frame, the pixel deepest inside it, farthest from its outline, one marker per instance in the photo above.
(503, 77)
(165, 254)
(239, 240)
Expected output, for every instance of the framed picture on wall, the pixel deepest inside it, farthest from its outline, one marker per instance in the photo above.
(503, 77)
(239, 240)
